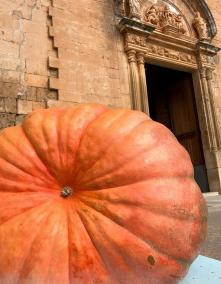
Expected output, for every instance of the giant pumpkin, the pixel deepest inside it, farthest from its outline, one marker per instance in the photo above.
(96, 195)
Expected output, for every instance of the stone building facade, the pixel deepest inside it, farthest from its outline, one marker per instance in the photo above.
(121, 53)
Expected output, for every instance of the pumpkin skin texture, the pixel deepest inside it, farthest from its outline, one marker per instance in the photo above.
(130, 213)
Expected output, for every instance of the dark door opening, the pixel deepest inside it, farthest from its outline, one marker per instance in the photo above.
(172, 103)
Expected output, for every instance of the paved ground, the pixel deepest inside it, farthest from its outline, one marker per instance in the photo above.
(212, 247)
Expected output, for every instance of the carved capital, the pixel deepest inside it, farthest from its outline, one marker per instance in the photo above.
(131, 55)
(140, 58)
(135, 39)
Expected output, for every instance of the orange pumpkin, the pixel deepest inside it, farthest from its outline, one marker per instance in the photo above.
(96, 195)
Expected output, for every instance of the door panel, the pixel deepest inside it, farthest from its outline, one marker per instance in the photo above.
(184, 117)
(172, 103)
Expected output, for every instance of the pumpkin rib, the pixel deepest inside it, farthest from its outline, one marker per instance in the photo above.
(98, 251)
(111, 169)
(37, 154)
(157, 244)
(181, 265)
(121, 114)
(84, 131)
(148, 242)
(29, 266)
(12, 186)
(9, 138)
(24, 212)
(43, 213)
(66, 122)
(96, 176)
(92, 111)
(159, 211)
(20, 168)
(29, 251)
(21, 210)
(93, 243)
(90, 255)
(42, 121)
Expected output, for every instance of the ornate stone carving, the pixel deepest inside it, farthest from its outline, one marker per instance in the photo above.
(200, 26)
(152, 16)
(134, 6)
(135, 39)
(164, 18)
(171, 54)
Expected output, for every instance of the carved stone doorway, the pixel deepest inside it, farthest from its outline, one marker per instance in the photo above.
(171, 101)
(176, 34)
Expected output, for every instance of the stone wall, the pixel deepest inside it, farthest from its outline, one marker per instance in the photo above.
(215, 8)
(61, 52)
(66, 50)
(24, 50)
(91, 61)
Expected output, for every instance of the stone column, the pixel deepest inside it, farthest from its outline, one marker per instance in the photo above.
(208, 112)
(134, 78)
(209, 78)
(143, 84)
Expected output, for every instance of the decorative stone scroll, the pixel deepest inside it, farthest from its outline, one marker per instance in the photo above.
(164, 18)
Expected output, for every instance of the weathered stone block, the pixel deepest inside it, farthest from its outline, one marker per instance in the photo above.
(9, 89)
(38, 105)
(53, 103)
(24, 107)
(7, 120)
(31, 93)
(10, 105)
(2, 104)
(10, 76)
(19, 118)
(36, 80)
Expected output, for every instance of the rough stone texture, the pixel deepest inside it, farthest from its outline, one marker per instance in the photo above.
(92, 64)
(24, 50)
(215, 8)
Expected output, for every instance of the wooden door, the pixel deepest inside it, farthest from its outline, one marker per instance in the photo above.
(172, 103)
(183, 116)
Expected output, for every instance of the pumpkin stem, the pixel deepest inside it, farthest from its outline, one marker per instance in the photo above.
(66, 191)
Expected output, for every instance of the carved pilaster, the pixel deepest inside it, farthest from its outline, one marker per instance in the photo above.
(209, 78)
(207, 110)
(143, 84)
(213, 136)
(135, 88)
